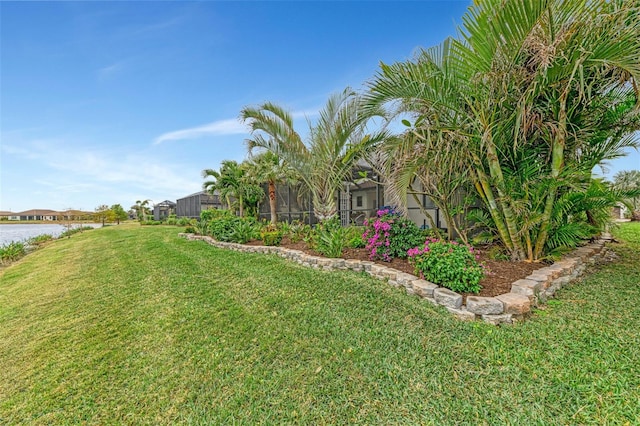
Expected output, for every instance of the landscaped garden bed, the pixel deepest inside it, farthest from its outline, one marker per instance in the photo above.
(499, 274)
(513, 304)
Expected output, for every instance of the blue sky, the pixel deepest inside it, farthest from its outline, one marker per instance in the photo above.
(113, 102)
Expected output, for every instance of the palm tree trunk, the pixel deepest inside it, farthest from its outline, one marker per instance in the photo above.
(495, 170)
(273, 205)
(557, 162)
(324, 209)
(487, 194)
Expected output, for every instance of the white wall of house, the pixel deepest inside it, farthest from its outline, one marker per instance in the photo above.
(416, 215)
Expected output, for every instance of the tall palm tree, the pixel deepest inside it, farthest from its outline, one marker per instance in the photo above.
(525, 92)
(335, 143)
(267, 167)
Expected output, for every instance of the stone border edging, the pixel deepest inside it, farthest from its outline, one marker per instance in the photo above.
(507, 308)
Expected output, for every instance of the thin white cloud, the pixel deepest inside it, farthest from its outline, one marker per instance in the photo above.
(110, 71)
(230, 126)
(96, 171)
(217, 128)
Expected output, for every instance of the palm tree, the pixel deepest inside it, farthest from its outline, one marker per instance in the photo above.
(535, 93)
(141, 208)
(335, 143)
(628, 181)
(228, 181)
(267, 167)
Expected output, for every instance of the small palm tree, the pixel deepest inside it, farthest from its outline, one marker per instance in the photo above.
(141, 208)
(228, 181)
(335, 143)
(629, 180)
(268, 167)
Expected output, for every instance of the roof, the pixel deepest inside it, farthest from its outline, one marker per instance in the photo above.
(208, 194)
(166, 203)
(6, 213)
(38, 212)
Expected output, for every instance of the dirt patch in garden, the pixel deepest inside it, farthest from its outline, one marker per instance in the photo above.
(500, 274)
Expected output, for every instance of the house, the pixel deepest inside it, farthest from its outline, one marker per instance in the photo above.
(191, 205)
(37, 214)
(7, 215)
(357, 202)
(162, 210)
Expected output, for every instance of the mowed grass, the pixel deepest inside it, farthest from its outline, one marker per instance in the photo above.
(133, 325)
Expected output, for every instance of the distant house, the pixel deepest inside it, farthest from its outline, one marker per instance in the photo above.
(7, 215)
(37, 214)
(163, 210)
(191, 205)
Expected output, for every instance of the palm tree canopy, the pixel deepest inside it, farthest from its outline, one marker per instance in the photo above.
(536, 93)
(336, 141)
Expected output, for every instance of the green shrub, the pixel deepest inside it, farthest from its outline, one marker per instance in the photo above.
(245, 230)
(354, 237)
(69, 232)
(298, 231)
(151, 222)
(211, 214)
(229, 228)
(12, 251)
(271, 238)
(448, 264)
(329, 238)
(183, 221)
(190, 230)
(201, 228)
(39, 239)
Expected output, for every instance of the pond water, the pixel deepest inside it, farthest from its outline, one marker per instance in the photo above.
(20, 232)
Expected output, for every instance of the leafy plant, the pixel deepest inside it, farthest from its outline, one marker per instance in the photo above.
(69, 232)
(12, 251)
(231, 228)
(245, 229)
(497, 253)
(271, 238)
(391, 235)
(354, 237)
(200, 228)
(39, 239)
(448, 264)
(298, 231)
(329, 238)
(190, 230)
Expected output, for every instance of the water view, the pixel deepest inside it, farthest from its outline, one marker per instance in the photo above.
(21, 232)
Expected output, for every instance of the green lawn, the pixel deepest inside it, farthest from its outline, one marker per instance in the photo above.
(133, 325)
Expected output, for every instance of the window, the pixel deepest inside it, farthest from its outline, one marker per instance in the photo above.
(359, 201)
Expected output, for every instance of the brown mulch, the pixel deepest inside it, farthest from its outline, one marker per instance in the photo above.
(500, 274)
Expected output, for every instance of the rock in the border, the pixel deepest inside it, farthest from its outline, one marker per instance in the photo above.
(484, 305)
(447, 298)
(423, 288)
(515, 303)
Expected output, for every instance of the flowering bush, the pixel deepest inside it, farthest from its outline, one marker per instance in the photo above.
(448, 264)
(390, 235)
